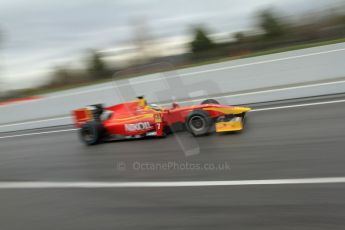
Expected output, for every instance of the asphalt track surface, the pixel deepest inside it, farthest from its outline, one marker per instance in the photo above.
(286, 143)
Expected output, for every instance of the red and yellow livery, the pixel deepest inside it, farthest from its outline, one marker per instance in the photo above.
(138, 119)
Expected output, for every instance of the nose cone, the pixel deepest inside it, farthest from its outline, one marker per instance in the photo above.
(242, 109)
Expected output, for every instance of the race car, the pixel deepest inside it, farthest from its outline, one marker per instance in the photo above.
(137, 119)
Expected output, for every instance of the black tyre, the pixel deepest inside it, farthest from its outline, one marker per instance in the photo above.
(210, 101)
(198, 122)
(244, 118)
(91, 133)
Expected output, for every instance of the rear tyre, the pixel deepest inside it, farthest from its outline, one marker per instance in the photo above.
(198, 122)
(210, 101)
(91, 133)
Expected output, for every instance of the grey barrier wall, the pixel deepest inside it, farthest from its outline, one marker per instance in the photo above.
(240, 81)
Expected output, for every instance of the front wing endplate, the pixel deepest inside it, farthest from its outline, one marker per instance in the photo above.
(228, 126)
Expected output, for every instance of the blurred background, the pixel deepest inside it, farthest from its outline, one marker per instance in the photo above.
(286, 167)
(53, 45)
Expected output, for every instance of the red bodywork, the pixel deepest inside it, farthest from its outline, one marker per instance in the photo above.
(131, 118)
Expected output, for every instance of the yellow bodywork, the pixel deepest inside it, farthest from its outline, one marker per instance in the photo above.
(230, 110)
(228, 126)
(236, 124)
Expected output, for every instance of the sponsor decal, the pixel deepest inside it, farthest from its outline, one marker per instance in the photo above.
(138, 126)
(157, 118)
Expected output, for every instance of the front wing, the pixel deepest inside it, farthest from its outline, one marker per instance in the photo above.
(235, 124)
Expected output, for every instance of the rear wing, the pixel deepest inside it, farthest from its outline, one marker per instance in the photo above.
(89, 113)
(81, 116)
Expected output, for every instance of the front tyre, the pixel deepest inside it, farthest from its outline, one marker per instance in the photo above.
(210, 101)
(91, 133)
(198, 122)
(244, 119)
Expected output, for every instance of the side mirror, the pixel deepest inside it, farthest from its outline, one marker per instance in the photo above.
(175, 105)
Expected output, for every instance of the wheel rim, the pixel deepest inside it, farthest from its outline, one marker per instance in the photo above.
(87, 135)
(197, 123)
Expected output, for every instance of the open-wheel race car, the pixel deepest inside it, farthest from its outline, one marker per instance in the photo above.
(136, 119)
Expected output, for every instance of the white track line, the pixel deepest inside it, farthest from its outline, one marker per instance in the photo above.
(34, 122)
(270, 91)
(299, 105)
(188, 74)
(254, 110)
(196, 100)
(208, 71)
(38, 133)
(265, 62)
(164, 184)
